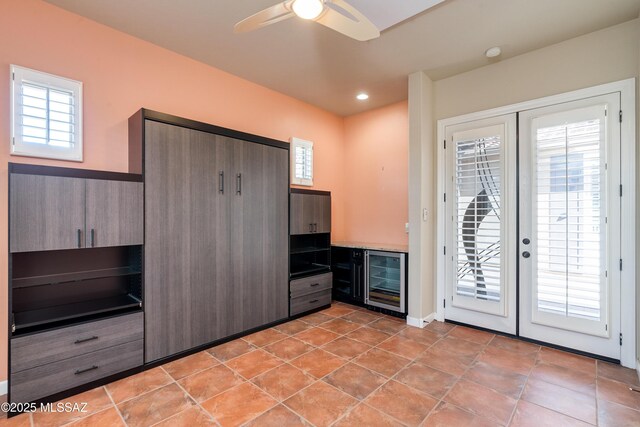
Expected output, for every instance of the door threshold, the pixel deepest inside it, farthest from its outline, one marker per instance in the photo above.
(541, 343)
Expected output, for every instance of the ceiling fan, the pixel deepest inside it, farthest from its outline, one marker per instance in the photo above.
(335, 14)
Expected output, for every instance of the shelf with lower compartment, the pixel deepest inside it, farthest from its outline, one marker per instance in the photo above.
(49, 315)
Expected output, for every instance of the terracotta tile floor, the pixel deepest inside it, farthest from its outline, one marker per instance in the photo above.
(347, 366)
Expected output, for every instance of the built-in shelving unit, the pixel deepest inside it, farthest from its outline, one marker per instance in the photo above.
(310, 254)
(54, 288)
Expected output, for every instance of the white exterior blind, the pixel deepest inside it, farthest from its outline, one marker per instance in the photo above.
(301, 162)
(570, 218)
(46, 115)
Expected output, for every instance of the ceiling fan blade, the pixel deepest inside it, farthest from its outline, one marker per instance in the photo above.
(268, 16)
(357, 26)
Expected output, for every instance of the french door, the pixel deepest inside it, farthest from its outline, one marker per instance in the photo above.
(537, 212)
(570, 225)
(481, 167)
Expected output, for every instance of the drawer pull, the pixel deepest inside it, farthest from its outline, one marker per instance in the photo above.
(313, 300)
(315, 284)
(83, 340)
(82, 371)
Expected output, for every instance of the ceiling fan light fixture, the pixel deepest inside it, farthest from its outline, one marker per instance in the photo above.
(307, 9)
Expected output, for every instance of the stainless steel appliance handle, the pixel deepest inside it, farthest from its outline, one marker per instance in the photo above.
(366, 277)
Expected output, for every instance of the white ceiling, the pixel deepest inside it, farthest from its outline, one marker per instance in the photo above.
(317, 65)
(383, 16)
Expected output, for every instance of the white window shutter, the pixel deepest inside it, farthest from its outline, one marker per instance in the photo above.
(46, 115)
(301, 162)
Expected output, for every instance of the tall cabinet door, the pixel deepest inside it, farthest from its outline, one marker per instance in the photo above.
(264, 193)
(47, 213)
(205, 230)
(114, 213)
(228, 304)
(168, 288)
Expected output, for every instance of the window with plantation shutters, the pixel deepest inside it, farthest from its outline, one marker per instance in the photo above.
(301, 162)
(46, 115)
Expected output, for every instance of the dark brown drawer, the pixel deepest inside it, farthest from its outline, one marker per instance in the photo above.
(53, 346)
(310, 285)
(309, 302)
(45, 380)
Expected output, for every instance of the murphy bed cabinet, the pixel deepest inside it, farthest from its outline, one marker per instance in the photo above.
(216, 231)
(310, 251)
(75, 278)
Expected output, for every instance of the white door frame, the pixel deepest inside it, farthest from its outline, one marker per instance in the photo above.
(627, 89)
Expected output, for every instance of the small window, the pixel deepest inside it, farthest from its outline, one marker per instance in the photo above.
(46, 115)
(301, 162)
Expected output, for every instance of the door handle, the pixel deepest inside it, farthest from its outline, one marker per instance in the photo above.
(93, 238)
(526, 254)
(239, 184)
(221, 182)
(79, 238)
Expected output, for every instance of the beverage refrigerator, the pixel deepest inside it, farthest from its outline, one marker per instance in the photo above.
(385, 280)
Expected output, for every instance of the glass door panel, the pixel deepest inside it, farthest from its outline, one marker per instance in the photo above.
(385, 280)
(570, 213)
(481, 214)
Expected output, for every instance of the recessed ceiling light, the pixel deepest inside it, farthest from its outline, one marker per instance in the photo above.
(362, 96)
(493, 52)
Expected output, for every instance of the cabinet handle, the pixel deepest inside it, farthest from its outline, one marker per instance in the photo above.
(79, 238)
(315, 284)
(82, 371)
(313, 300)
(310, 228)
(93, 237)
(83, 340)
(315, 227)
(239, 184)
(221, 182)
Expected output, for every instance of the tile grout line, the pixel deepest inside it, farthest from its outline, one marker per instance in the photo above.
(198, 404)
(115, 406)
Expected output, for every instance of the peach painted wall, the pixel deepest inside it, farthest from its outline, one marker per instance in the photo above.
(376, 175)
(121, 74)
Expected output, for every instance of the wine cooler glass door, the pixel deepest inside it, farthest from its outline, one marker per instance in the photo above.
(385, 280)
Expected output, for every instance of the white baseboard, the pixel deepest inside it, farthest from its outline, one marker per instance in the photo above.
(4, 387)
(420, 323)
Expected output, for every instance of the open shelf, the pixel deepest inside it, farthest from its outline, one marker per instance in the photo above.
(51, 279)
(308, 270)
(48, 315)
(308, 250)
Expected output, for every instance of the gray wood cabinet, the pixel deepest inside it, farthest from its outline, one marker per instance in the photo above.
(216, 237)
(114, 213)
(310, 213)
(52, 212)
(46, 213)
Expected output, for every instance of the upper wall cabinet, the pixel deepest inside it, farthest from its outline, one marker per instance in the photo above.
(47, 213)
(52, 212)
(310, 213)
(114, 213)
